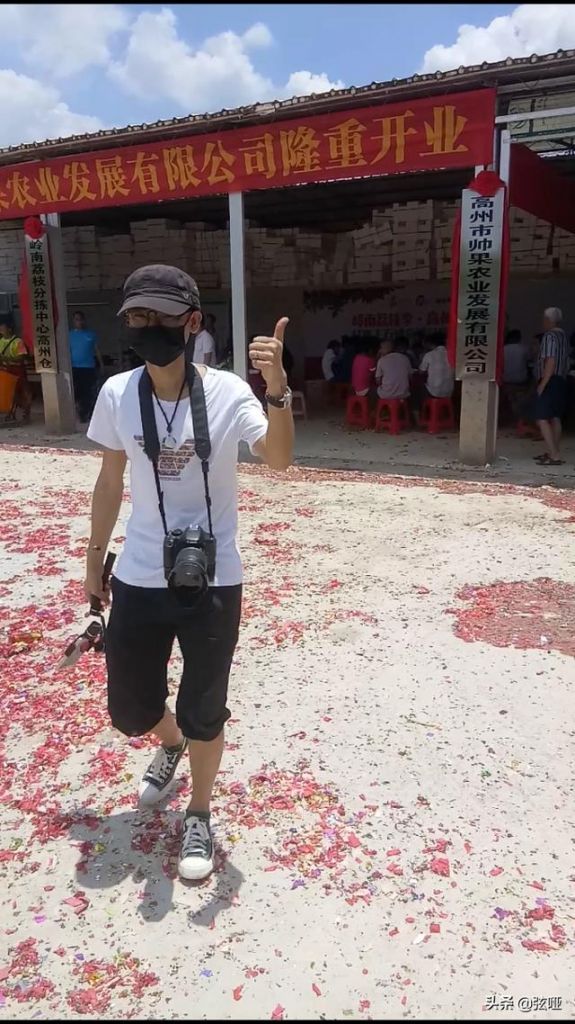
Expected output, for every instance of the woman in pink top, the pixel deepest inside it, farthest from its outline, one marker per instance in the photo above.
(363, 369)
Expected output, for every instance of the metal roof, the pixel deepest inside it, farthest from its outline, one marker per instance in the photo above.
(506, 72)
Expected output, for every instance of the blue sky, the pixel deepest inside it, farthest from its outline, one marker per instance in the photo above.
(79, 67)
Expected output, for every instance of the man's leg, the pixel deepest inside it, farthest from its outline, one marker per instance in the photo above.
(557, 431)
(168, 731)
(205, 760)
(546, 428)
(138, 647)
(208, 640)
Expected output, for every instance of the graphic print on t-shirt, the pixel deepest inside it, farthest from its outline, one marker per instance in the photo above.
(172, 462)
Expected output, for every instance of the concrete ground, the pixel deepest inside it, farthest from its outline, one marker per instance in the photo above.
(324, 441)
(395, 814)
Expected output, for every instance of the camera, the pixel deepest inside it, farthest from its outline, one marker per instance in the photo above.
(189, 561)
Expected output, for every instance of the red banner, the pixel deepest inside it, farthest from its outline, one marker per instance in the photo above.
(421, 135)
(537, 188)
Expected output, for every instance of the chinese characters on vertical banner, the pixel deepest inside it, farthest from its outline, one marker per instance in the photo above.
(479, 283)
(429, 134)
(38, 262)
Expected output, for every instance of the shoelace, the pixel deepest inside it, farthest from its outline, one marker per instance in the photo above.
(197, 839)
(162, 765)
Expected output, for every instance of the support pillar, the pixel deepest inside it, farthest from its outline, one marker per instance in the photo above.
(57, 388)
(237, 261)
(478, 423)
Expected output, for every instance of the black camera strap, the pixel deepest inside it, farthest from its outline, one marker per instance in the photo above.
(202, 441)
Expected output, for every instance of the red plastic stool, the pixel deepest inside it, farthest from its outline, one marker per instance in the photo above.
(392, 415)
(437, 414)
(357, 411)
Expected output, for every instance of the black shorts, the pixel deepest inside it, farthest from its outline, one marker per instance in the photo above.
(143, 626)
(552, 404)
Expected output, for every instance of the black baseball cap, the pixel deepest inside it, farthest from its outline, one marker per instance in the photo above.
(162, 288)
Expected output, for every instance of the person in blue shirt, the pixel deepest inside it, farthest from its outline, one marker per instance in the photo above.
(86, 359)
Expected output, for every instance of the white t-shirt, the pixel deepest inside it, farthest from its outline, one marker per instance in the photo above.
(234, 414)
(394, 369)
(515, 367)
(327, 362)
(440, 375)
(204, 346)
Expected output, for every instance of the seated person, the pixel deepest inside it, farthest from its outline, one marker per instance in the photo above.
(363, 369)
(440, 375)
(342, 368)
(402, 346)
(392, 372)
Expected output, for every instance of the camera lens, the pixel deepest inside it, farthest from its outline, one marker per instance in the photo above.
(190, 570)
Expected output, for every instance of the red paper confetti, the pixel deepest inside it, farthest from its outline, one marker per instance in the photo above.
(440, 866)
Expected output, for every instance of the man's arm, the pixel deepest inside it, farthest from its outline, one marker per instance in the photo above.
(548, 371)
(276, 448)
(106, 502)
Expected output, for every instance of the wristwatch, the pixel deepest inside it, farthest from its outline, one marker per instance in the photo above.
(280, 403)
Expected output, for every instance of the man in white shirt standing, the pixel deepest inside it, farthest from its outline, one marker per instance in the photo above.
(330, 356)
(186, 482)
(205, 346)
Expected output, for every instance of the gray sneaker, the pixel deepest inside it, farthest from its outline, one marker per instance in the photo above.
(160, 777)
(197, 850)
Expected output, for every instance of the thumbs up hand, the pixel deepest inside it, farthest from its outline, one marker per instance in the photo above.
(266, 356)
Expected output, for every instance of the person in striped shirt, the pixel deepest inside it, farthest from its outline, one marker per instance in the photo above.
(551, 398)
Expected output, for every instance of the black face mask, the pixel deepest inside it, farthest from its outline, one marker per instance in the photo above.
(159, 345)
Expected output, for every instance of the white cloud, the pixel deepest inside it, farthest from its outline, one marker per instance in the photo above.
(61, 39)
(32, 111)
(258, 35)
(530, 28)
(143, 53)
(159, 64)
(302, 83)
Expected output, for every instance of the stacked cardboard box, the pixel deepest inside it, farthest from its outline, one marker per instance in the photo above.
(530, 244)
(411, 246)
(11, 253)
(116, 259)
(563, 249)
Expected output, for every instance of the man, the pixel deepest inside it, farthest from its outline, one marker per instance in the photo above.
(85, 358)
(162, 307)
(552, 373)
(440, 375)
(13, 355)
(392, 372)
(330, 356)
(11, 346)
(515, 359)
(515, 384)
(205, 346)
